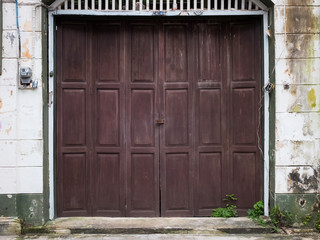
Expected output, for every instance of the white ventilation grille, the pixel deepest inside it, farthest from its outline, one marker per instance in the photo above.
(159, 5)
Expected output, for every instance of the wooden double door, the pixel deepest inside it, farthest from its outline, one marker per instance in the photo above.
(157, 117)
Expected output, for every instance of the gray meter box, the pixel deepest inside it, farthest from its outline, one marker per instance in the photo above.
(26, 76)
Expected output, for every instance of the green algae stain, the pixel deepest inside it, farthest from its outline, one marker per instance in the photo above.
(296, 108)
(312, 98)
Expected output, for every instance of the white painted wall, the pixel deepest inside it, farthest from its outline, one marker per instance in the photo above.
(21, 142)
(297, 29)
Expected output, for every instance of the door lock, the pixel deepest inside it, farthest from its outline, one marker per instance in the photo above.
(159, 121)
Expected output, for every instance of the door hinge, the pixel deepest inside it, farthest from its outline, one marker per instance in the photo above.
(50, 97)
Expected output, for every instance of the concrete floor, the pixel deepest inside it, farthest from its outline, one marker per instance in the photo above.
(313, 236)
(160, 228)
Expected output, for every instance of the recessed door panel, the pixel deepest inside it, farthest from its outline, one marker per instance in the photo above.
(108, 117)
(210, 116)
(210, 180)
(243, 51)
(142, 182)
(107, 195)
(108, 54)
(74, 118)
(176, 114)
(142, 56)
(243, 114)
(142, 117)
(244, 171)
(73, 52)
(74, 180)
(176, 53)
(177, 181)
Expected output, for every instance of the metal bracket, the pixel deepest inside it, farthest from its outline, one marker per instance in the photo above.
(159, 121)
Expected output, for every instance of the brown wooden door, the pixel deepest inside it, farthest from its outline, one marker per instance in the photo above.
(157, 118)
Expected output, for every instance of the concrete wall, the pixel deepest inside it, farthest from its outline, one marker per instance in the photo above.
(21, 126)
(297, 151)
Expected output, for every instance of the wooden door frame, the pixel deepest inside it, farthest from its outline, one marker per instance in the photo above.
(52, 100)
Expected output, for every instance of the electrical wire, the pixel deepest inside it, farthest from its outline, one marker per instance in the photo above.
(18, 28)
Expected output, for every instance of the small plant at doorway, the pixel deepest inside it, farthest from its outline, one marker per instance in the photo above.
(229, 210)
(23, 225)
(280, 218)
(318, 224)
(256, 213)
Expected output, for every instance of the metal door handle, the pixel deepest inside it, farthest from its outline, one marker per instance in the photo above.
(159, 121)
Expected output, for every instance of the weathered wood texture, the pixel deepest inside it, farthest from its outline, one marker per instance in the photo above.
(115, 79)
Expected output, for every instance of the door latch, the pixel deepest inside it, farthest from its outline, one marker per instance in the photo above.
(159, 121)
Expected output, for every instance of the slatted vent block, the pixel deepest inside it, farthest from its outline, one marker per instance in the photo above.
(160, 5)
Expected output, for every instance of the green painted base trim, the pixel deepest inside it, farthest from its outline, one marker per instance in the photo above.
(27, 206)
(8, 205)
(299, 205)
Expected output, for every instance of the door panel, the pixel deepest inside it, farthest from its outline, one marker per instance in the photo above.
(142, 182)
(177, 182)
(209, 48)
(243, 115)
(244, 179)
(142, 134)
(108, 178)
(176, 53)
(243, 51)
(176, 117)
(210, 180)
(107, 53)
(142, 48)
(74, 130)
(73, 120)
(142, 117)
(157, 118)
(244, 121)
(73, 51)
(108, 120)
(107, 96)
(74, 183)
(210, 118)
(176, 155)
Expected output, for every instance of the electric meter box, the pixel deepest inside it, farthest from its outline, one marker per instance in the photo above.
(25, 76)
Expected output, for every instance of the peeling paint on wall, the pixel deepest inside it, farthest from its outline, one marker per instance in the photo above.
(10, 36)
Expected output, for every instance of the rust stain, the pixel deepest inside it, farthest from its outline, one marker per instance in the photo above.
(312, 98)
(313, 69)
(27, 26)
(9, 130)
(11, 93)
(26, 53)
(0, 103)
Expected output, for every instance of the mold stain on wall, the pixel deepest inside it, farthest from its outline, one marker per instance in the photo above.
(312, 98)
(300, 180)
